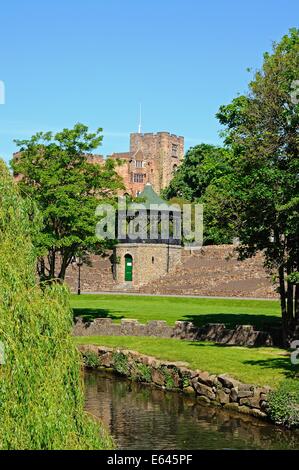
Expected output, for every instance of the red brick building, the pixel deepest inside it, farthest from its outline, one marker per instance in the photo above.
(152, 158)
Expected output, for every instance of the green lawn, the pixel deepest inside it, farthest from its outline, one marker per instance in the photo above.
(261, 366)
(260, 313)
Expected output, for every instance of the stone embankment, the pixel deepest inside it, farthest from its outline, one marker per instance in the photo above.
(220, 390)
(241, 335)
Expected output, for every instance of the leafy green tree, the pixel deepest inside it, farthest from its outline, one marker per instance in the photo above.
(57, 173)
(201, 165)
(259, 198)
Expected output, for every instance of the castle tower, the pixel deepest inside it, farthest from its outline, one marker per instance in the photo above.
(162, 154)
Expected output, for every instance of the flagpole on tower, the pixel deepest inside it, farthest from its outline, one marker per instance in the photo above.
(140, 117)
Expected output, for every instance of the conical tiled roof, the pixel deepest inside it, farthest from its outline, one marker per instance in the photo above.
(150, 197)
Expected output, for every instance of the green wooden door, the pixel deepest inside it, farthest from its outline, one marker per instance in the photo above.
(128, 268)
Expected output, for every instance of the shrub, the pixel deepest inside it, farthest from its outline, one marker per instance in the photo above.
(169, 381)
(283, 403)
(91, 360)
(186, 381)
(143, 373)
(121, 363)
(41, 387)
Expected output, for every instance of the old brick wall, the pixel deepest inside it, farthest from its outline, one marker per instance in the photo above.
(150, 261)
(213, 271)
(163, 152)
(97, 276)
(240, 335)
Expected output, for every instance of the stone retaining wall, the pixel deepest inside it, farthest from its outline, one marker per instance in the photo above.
(242, 335)
(220, 390)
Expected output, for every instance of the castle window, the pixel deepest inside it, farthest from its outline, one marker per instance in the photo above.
(138, 178)
(153, 259)
(174, 149)
(139, 164)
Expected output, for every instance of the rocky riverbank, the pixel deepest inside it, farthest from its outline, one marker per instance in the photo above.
(220, 390)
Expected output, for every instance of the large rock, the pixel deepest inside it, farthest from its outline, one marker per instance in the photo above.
(255, 400)
(206, 379)
(245, 387)
(232, 406)
(227, 381)
(234, 394)
(150, 361)
(204, 390)
(158, 377)
(104, 349)
(106, 360)
(189, 390)
(222, 397)
(259, 414)
(203, 400)
(245, 393)
(89, 348)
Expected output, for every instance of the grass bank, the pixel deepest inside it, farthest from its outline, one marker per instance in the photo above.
(260, 366)
(259, 313)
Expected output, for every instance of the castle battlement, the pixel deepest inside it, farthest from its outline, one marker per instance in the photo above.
(155, 134)
(152, 158)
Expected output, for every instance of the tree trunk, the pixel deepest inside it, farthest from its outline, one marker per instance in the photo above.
(297, 304)
(283, 306)
(52, 263)
(290, 303)
(65, 262)
(41, 269)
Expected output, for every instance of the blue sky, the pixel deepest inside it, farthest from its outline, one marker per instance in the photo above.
(93, 61)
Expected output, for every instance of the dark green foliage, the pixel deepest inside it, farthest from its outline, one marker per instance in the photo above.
(258, 200)
(202, 164)
(41, 389)
(186, 382)
(142, 372)
(120, 361)
(91, 360)
(169, 381)
(284, 403)
(59, 176)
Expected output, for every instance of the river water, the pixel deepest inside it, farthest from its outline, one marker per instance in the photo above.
(142, 417)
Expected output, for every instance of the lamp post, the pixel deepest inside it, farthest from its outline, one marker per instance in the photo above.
(78, 261)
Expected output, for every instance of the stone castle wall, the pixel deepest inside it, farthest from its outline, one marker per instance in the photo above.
(163, 152)
(150, 261)
(241, 335)
(212, 271)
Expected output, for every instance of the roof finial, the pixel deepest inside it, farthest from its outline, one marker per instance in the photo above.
(139, 127)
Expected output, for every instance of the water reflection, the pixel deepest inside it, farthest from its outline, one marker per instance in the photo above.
(142, 417)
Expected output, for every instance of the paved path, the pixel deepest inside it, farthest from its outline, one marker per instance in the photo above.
(173, 295)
